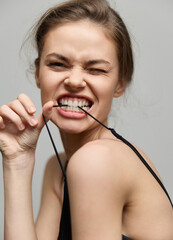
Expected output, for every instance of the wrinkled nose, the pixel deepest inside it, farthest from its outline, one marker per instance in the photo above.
(75, 81)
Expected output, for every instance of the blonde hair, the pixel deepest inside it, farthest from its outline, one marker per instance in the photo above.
(97, 11)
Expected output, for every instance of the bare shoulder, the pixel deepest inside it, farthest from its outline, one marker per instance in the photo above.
(109, 176)
(95, 190)
(103, 152)
(105, 161)
(92, 154)
(112, 161)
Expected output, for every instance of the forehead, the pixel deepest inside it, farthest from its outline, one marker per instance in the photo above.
(82, 39)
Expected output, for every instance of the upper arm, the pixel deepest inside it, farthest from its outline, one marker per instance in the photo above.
(48, 220)
(96, 194)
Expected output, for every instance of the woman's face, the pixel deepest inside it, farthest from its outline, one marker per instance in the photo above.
(78, 66)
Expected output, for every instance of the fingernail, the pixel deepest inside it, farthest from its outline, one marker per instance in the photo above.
(33, 121)
(21, 126)
(31, 109)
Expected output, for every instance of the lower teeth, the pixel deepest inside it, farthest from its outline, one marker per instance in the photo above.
(75, 109)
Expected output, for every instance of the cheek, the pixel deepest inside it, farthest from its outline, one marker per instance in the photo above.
(47, 78)
(49, 82)
(46, 88)
(105, 90)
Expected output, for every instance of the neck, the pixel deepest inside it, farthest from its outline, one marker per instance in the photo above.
(72, 142)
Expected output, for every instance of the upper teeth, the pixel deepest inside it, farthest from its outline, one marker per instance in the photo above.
(74, 102)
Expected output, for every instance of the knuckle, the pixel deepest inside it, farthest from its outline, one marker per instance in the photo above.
(3, 108)
(17, 120)
(21, 96)
(13, 103)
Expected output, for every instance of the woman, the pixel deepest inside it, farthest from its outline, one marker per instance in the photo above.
(84, 60)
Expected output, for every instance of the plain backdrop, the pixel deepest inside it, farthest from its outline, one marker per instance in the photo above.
(144, 115)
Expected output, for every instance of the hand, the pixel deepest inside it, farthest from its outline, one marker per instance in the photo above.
(19, 128)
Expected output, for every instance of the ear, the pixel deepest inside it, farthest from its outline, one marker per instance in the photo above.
(120, 88)
(37, 65)
(37, 77)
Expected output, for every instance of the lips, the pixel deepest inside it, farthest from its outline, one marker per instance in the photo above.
(72, 103)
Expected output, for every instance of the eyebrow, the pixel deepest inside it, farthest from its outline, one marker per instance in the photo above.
(58, 56)
(97, 61)
(87, 63)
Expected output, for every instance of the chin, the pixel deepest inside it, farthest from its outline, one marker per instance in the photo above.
(70, 127)
(71, 130)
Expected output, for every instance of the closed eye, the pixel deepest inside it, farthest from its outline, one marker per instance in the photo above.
(58, 65)
(97, 70)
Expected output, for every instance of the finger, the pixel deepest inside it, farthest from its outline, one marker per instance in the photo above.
(2, 125)
(18, 108)
(27, 103)
(8, 114)
(47, 110)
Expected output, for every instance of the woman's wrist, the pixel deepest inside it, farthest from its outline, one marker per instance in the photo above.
(21, 163)
(18, 209)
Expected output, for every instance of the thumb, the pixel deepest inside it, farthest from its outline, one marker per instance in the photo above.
(45, 115)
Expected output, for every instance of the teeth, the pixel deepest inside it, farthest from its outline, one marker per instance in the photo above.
(70, 103)
(73, 103)
(80, 104)
(86, 108)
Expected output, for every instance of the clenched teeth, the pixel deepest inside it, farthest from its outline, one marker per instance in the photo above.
(73, 103)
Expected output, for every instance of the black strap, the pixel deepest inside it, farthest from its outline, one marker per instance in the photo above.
(119, 137)
(143, 161)
(56, 152)
(137, 153)
(65, 225)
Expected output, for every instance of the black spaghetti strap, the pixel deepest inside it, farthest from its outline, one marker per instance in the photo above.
(137, 153)
(65, 225)
(143, 161)
(56, 152)
(65, 231)
(119, 137)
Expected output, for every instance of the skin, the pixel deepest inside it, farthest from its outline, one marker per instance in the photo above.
(105, 178)
(78, 78)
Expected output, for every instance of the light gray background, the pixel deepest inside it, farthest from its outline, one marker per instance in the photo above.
(144, 115)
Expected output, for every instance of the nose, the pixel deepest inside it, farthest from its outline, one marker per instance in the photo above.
(75, 80)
